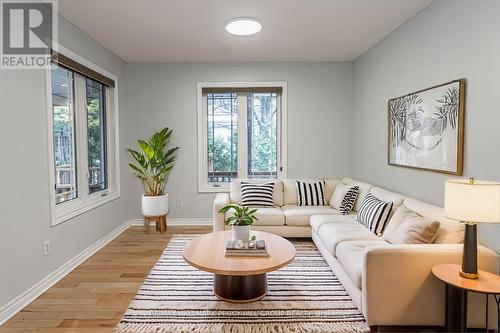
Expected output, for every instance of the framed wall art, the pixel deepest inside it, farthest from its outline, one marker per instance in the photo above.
(426, 129)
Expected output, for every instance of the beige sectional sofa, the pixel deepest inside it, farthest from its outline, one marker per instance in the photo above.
(391, 284)
(286, 218)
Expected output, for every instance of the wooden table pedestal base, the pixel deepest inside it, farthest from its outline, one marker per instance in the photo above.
(240, 288)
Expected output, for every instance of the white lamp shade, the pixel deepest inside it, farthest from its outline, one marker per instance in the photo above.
(477, 202)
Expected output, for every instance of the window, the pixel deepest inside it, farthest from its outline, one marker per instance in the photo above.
(262, 135)
(241, 132)
(63, 130)
(222, 113)
(96, 135)
(83, 153)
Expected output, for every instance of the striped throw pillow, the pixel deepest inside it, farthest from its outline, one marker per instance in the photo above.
(311, 194)
(374, 214)
(257, 195)
(348, 201)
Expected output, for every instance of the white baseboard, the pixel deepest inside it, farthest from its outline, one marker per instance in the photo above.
(177, 222)
(18, 303)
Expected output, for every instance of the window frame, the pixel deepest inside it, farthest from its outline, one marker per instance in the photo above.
(203, 185)
(103, 133)
(85, 200)
(73, 136)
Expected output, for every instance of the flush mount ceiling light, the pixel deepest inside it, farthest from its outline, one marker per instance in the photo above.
(243, 26)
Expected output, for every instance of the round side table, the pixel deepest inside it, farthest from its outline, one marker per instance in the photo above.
(457, 289)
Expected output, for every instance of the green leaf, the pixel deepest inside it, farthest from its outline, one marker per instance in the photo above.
(229, 220)
(138, 157)
(148, 151)
(228, 207)
(136, 168)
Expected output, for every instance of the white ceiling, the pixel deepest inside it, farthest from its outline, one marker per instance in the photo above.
(193, 30)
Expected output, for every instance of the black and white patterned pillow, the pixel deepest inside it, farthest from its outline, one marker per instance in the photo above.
(311, 194)
(349, 200)
(257, 195)
(374, 214)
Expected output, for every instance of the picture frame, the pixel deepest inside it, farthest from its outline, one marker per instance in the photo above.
(425, 129)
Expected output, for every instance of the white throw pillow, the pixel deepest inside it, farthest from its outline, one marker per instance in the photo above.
(338, 195)
(407, 227)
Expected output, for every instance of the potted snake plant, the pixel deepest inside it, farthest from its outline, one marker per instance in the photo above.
(152, 166)
(240, 221)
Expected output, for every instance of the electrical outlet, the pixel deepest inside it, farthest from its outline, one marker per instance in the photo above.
(46, 247)
(180, 203)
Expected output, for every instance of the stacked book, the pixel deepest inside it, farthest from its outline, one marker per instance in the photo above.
(242, 249)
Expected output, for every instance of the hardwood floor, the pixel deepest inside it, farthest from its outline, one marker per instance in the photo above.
(94, 296)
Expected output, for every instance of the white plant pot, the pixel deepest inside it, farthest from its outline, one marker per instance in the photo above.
(155, 206)
(241, 232)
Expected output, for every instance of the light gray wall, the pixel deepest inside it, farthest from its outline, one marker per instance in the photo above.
(319, 95)
(24, 187)
(448, 40)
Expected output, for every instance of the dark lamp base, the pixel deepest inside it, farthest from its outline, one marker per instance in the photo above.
(469, 259)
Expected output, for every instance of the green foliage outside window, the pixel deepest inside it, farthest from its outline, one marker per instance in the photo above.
(262, 132)
(94, 132)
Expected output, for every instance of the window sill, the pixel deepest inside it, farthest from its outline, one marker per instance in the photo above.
(212, 189)
(63, 214)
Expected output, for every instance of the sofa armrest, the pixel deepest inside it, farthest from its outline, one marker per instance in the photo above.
(398, 287)
(221, 200)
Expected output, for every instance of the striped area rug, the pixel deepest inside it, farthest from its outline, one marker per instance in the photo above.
(305, 296)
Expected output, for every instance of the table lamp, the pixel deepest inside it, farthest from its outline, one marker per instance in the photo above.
(471, 201)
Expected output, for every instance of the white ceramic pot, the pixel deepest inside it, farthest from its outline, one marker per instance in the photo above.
(155, 206)
(241, 232)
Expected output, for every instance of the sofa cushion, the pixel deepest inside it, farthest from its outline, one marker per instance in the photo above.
(450, 231)
(364, 189)
(351, 255)
(332, 234)
(316, 221)
(290, 189)
(407, 227)
(266, 216)
(235, 190)
(388, 196)
(299, 215)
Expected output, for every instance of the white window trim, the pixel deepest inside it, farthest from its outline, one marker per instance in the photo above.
(68, 210)
(203, 186)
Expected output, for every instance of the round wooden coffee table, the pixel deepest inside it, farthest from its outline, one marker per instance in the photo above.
(238, 279)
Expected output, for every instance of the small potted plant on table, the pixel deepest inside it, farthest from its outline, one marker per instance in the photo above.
(240, 221)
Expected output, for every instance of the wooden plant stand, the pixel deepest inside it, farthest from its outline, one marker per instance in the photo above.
(161, 223)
